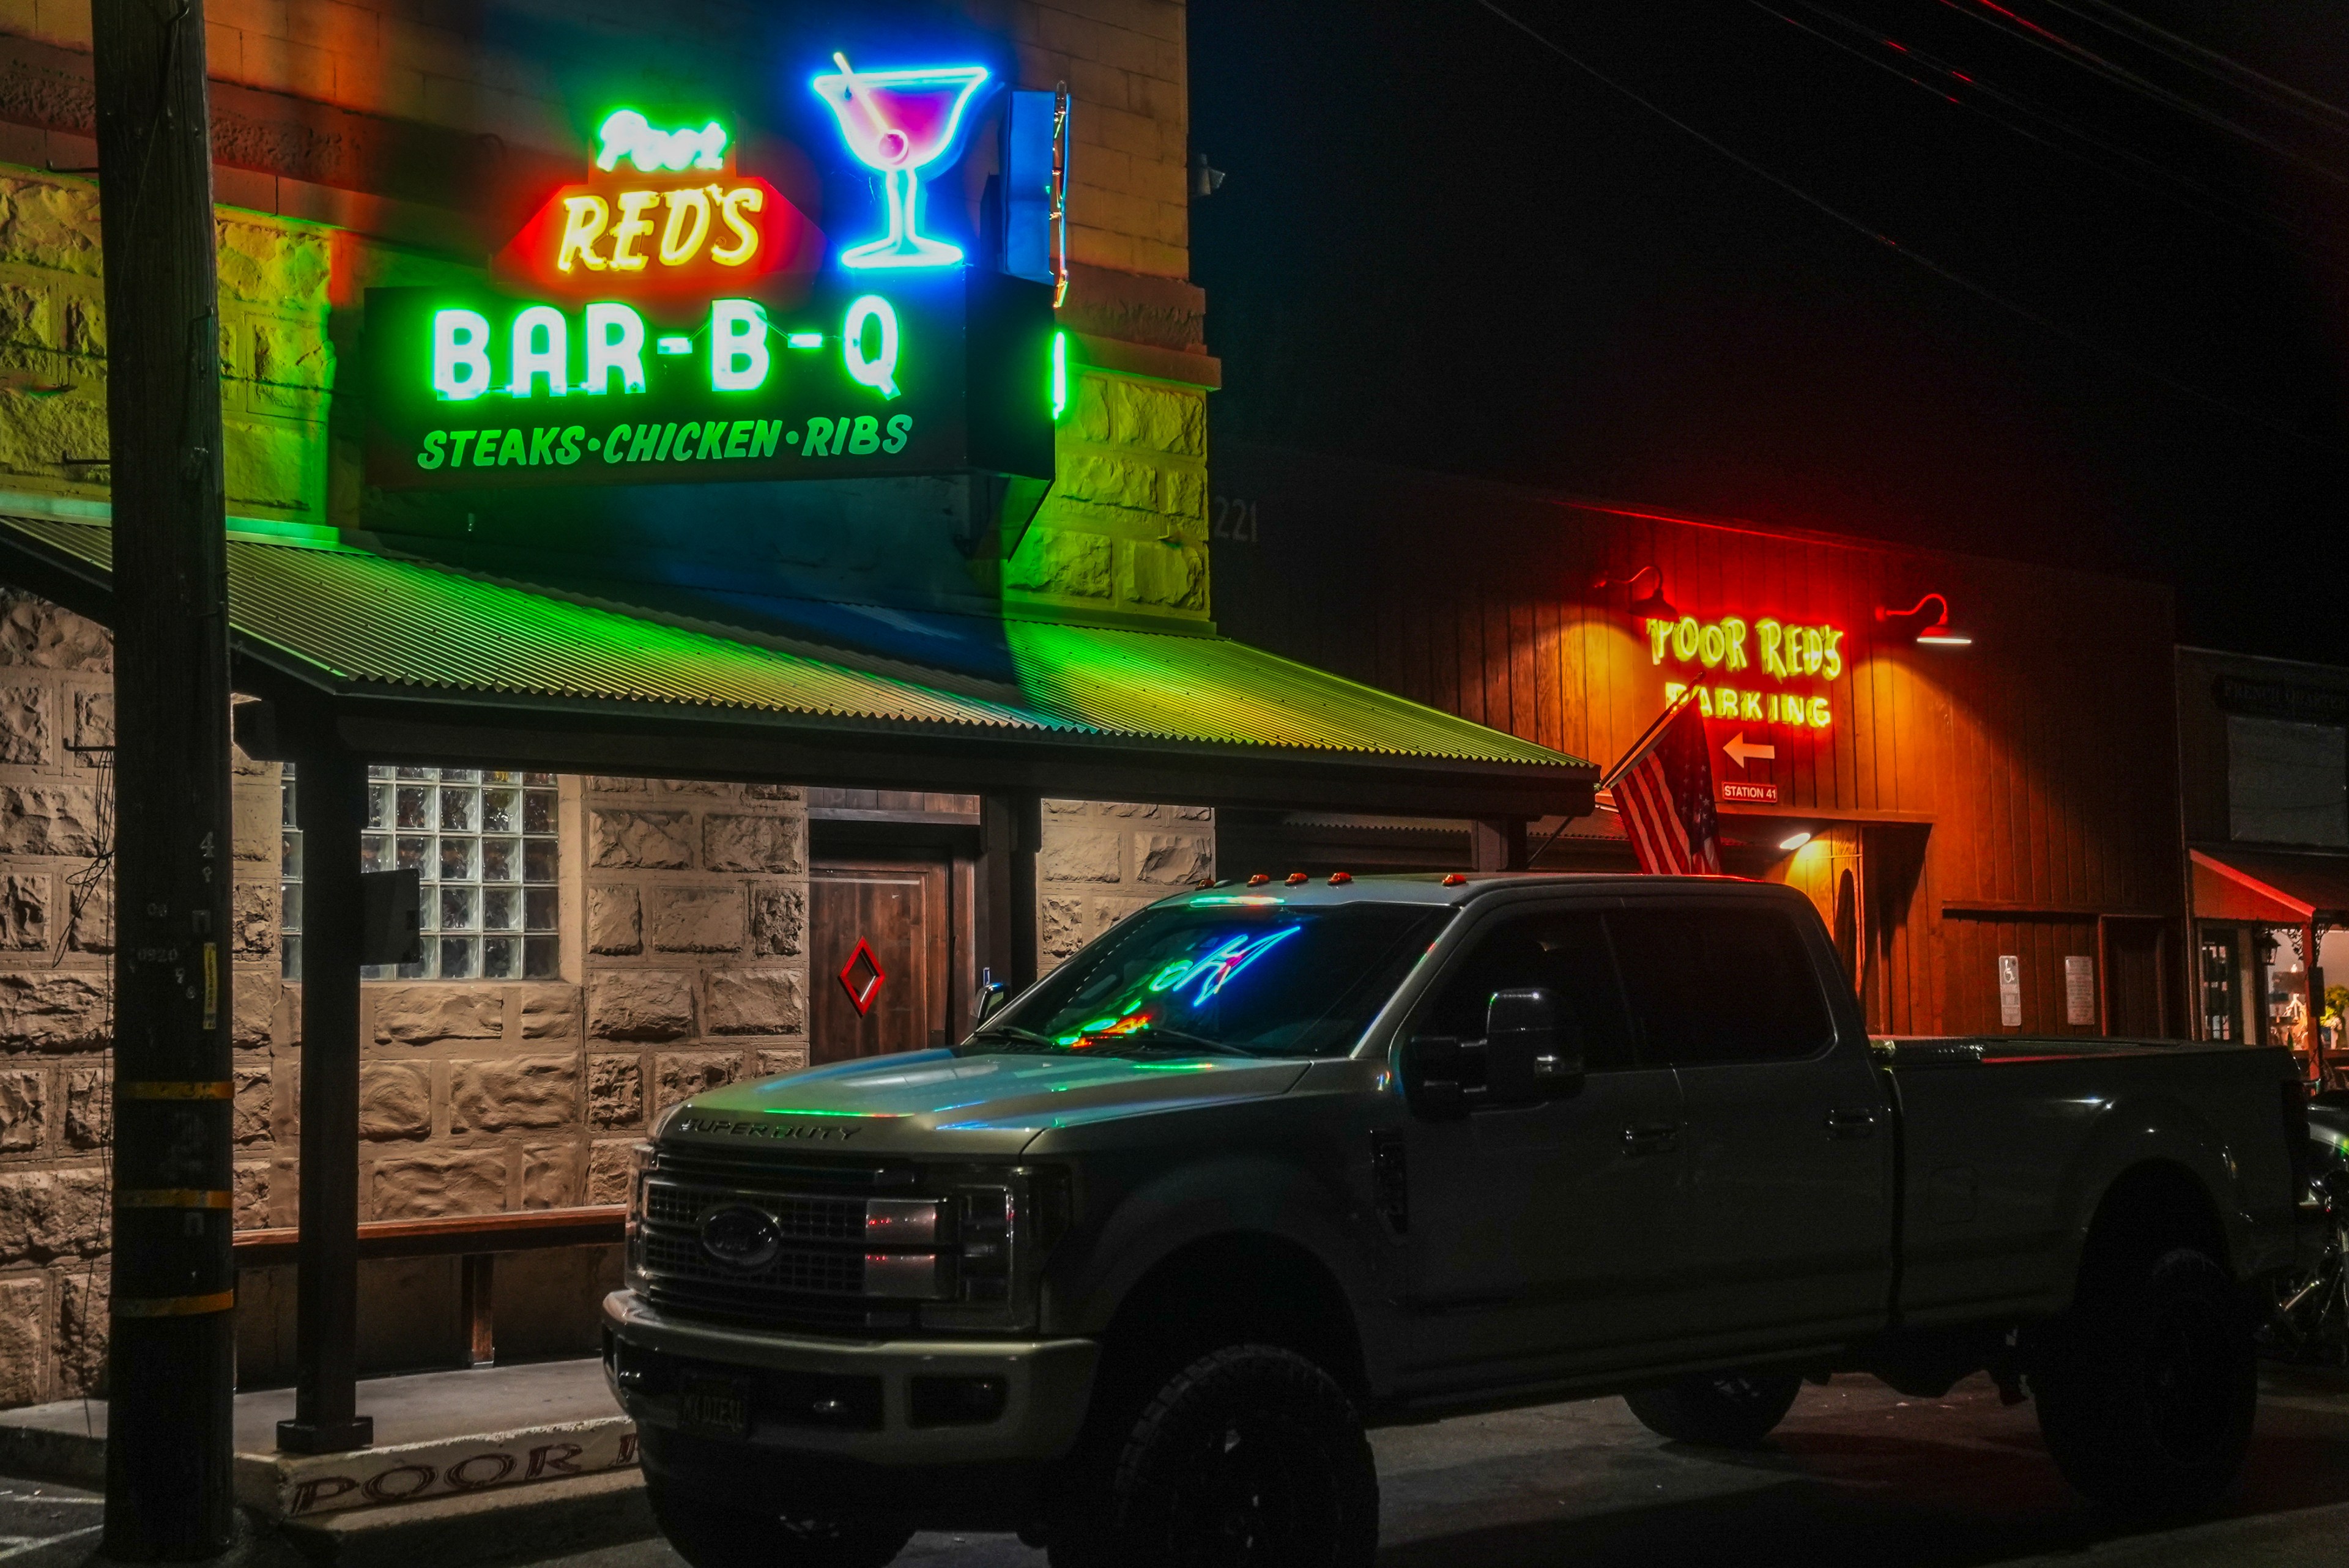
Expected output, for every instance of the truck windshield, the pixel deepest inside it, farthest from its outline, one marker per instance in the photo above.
(1227, 978)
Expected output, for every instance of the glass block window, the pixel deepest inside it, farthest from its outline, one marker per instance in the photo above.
(483, 843)
(289, 880)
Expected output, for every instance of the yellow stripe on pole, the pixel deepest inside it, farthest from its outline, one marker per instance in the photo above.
(163, 1090)
(170, 1198)
(174, 1305)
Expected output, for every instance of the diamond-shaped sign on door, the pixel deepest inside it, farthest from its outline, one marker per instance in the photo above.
(861, 996)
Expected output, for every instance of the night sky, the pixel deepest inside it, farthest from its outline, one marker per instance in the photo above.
(1444, 246)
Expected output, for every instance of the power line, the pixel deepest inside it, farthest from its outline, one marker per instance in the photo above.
(1970, 92)
(1991, 296)
(2013, 24)
(2211, 62)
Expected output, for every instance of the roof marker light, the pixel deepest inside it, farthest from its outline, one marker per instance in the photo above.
(1340, 879)
(1454, 879)
(1258, 878)
(1298, 879)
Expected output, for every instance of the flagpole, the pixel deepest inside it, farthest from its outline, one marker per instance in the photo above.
(1647, 740)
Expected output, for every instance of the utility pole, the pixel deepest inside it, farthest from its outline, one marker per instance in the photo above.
(171, 1360)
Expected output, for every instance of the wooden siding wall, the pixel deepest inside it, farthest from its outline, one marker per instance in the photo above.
(2045, 756)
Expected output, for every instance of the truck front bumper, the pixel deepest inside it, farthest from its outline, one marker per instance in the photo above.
(854, 1399)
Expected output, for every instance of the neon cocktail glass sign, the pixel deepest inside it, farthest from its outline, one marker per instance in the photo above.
(900, 122)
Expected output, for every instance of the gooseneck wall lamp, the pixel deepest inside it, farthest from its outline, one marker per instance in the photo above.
(1651, 605)
(1932, 630)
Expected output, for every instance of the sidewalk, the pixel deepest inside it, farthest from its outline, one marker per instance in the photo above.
(465, 1465)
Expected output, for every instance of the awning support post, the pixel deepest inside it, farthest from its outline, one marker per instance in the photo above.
(330, 808)
(1498, 845)
(1010, 832)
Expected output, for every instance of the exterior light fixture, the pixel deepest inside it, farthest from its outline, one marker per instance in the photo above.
(1936, 633)
(1796, 843)
(1651, 605)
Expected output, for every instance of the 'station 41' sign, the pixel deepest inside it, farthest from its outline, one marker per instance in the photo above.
(666, 323)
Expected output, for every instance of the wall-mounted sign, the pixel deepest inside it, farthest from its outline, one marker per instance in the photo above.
(662, 214)
(1745, 792)
(1723, 659)
(898, 123)
(669, 321)
(485, 392)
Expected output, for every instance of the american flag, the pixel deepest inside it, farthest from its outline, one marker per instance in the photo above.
(1663, 790)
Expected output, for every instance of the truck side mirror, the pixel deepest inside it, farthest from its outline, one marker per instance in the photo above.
(989, 1000)
(1529, 1055)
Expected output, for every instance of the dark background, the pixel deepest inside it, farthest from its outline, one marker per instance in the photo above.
(1443, 246)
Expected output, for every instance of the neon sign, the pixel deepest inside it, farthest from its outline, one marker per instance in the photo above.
(668, 321)
(650, 219)
(1729, 645)
(899, 123)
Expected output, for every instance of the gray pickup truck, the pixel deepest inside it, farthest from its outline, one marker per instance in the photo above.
(1130, 1270)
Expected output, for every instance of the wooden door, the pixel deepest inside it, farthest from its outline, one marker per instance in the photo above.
(2137, 979)
(880, 935)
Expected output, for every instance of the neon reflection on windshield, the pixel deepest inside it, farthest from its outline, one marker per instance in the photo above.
(1213, 972)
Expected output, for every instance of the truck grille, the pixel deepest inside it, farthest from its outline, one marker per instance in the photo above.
(826, 1261)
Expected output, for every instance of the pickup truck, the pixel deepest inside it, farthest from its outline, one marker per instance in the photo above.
(1131, 1269)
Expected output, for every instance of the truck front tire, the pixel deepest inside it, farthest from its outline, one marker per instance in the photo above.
(2148, 1388)
(1720, 1409)
(710, 1533)
(1249, 1456)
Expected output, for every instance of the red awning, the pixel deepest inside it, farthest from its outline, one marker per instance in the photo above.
(2270, 887)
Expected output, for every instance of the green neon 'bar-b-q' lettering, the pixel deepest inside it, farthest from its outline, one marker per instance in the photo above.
(616, 341)
(460, 353)
(739, 359)
(541, 347)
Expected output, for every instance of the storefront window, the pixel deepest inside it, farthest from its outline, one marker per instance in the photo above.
(2220, 1010)
(484, 846)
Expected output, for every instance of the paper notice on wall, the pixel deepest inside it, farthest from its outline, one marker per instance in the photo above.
(2010, 991)
(2080, 990)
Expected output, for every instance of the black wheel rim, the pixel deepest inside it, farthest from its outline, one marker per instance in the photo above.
(1255, 1492)
(2189, 1367)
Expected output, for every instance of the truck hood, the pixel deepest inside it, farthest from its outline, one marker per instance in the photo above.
(936, 1103)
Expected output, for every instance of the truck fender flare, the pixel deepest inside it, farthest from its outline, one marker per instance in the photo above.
(1235, 1196)
(2135, 1132)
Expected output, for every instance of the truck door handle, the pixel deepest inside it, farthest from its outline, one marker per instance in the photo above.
(1851, 1124)
(1656, 1137)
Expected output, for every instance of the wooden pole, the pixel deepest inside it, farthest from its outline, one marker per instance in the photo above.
(171, 1356)
(1011, 832)
(330, 808)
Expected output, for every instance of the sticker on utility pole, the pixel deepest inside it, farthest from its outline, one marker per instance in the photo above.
(2010, 991)
(2080, 990)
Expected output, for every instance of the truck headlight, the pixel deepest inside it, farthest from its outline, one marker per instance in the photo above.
(644, 1158)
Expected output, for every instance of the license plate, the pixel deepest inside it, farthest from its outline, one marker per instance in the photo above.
(718, 1407)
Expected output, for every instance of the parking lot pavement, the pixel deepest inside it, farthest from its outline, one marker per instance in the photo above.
(1857, 1475)
(45, 1526)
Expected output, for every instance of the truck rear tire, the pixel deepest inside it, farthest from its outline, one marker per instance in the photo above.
(708, 1534)
(1720, 1409)
(2147, 1390)
(1250, 1457)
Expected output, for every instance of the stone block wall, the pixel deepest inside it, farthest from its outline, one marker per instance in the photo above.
(1125, 529)
(1101, 861)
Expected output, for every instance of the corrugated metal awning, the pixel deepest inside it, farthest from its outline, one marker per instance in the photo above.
(352, 623)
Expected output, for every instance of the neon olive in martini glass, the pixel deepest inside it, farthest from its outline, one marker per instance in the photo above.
(900, 122)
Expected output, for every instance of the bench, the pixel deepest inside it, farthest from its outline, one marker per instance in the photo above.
(474, 1239)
